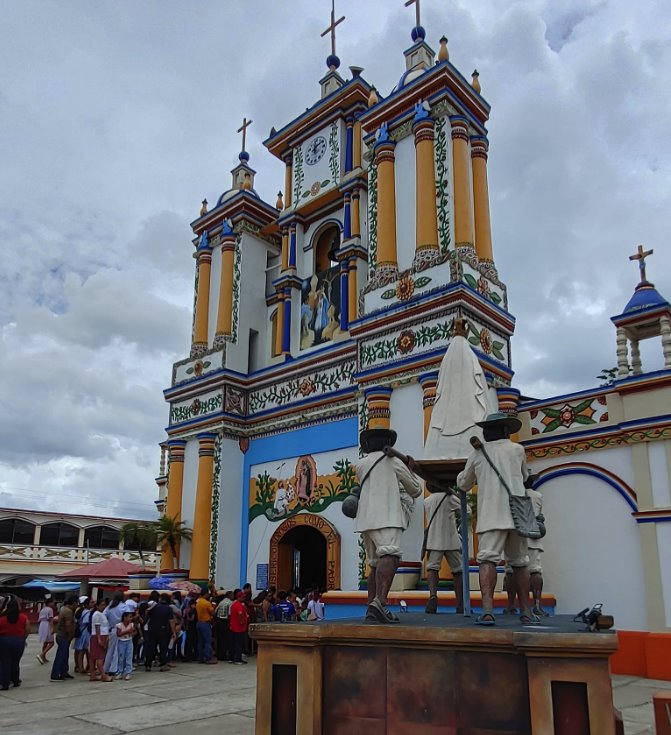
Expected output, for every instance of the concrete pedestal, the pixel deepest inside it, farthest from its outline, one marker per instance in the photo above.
(433, 675)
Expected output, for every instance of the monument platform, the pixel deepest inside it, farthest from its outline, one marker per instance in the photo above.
(433, 675)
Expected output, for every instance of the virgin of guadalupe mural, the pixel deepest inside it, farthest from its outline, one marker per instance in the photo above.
(320, 307)
(306, 478)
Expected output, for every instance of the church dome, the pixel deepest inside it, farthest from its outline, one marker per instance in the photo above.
(232, 192)
(645, 296)
(410, 76)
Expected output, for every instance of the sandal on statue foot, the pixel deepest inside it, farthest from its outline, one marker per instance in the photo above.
(431, 606)
(486, 619)
(529, 619)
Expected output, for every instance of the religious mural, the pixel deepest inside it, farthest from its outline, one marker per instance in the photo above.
(320, 307)
(293, 488)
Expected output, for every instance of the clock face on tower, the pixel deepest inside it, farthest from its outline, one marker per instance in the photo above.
(315, 150)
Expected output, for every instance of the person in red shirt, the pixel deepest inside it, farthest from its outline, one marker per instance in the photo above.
(14, 630)
(239, 622)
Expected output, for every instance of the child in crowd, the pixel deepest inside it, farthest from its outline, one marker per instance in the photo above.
(125, 630)
(98, 644)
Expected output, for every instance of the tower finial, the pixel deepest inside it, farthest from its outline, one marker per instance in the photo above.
(332, 61)
(243, 155)
(418, 33)
(443, 53)
(203, 207)
(641, 255)
(475, 83)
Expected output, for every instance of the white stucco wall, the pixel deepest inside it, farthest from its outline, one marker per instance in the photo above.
(230, 510)
(659, 474)
(189, 496)
(404, 171)
(592, 550)
(664, 546)
(407, 419)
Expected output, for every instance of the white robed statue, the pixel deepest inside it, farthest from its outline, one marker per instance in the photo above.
(461, 400)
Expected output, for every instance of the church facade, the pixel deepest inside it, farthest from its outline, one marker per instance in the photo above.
(330, 310)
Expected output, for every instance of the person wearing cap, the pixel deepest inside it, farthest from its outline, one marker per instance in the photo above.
(497, 536)
(388, 489)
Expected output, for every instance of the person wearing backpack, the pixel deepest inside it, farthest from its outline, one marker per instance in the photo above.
(83, 634)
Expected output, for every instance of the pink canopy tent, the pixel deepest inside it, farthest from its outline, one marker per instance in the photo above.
(109, 569)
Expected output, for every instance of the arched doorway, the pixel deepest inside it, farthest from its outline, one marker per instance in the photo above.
(305, 553)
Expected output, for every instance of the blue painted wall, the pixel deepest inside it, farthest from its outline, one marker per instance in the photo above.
(310, 440)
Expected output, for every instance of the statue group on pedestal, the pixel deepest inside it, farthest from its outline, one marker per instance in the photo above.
(508, 513)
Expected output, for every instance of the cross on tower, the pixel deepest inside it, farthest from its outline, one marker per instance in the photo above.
(332, 27)
(641, 255)
(243, 129)
(408, 3)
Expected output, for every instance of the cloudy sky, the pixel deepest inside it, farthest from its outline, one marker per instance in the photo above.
(118, 117)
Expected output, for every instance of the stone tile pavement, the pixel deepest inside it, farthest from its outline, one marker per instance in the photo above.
(192, 695)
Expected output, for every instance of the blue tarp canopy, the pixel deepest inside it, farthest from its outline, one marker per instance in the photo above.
(51, 585)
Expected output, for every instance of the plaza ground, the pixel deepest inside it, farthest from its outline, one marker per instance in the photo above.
(203, 698)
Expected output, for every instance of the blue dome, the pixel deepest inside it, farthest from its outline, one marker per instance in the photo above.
(418, 33)
(332, 61)
(409, 76)
(243, 156)
(645, 296)
(232, 192)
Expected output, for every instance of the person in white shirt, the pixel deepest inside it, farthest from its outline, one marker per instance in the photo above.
(388, 490)
(98, 645)
(495, 528)
(316, 607)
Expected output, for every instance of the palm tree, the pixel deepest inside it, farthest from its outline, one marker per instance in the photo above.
(140, 536)
(170, 533)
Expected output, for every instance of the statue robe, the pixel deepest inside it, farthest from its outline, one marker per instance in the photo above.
(461, 400)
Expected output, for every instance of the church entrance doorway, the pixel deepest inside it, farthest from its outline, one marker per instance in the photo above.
(302, 562)
(304, 554)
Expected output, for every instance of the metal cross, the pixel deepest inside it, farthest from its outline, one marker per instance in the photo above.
(332, 27)
(408, 3)
(243, 129)
(641, 255)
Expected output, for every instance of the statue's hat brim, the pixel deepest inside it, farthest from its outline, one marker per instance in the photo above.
(512, 423)
(387, 434)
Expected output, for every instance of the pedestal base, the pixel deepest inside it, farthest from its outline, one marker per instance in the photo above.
(433, 675)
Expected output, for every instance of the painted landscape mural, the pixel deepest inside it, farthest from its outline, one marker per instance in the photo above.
(296, 485)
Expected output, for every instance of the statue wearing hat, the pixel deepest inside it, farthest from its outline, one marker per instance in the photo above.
(500, 471)
(388, 490)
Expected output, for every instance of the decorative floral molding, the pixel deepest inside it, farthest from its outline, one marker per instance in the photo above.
(311, 384)
(568, 415)
(421, 338)
(76, 555)
(583, 445)
(237, 278)
(299, 174)
(363, 417)
(334, 156)
(372, 218)
(196, 407)
(406, 287)
(401, 131)
(214, 523)
(441, 153)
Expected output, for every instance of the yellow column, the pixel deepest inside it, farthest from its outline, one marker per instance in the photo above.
(379, 414)
(463, 210)
(279, 323)
(483, 228)
(352, 290)
(356, 150)
(356, 214)
(386, 206)
(285, 248)
(199, 569)
(288, 182)
(426, 218)
(225, 310)
(173, 506)
(204, 259)
(429, 382)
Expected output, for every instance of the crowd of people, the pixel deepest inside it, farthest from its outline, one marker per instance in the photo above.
(111, 638)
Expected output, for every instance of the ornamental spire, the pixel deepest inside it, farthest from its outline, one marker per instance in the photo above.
(332, 61)
(641, 255)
